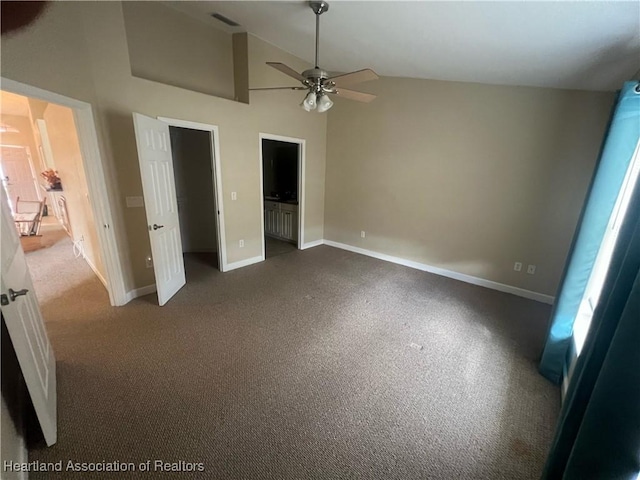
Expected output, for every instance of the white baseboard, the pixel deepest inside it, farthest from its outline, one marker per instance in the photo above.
(312, 244)
(243, 263)
(140, 292)
(521, 292)
(95, 270)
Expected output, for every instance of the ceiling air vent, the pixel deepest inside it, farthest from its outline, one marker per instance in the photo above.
(225, 20)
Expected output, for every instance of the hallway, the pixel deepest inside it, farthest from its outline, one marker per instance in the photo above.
(61, 279)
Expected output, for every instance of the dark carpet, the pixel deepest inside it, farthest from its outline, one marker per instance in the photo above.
(316, 364)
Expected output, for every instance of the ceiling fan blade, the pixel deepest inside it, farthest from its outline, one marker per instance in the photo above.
(354, 77)
(279, 88)
(353, 95)
(287, 70)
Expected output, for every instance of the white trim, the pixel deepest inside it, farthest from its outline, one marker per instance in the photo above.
(244, 263)
(521, 292)
(302, 160)
(312, 244)
(565, 385)
(217, 181)
(96, 181)
(141, 292)
(95, 270)
(261, 170)
(47, 153)
(36, 183)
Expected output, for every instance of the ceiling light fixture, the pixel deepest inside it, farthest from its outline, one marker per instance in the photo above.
(310, 102)
(318, 82)
(324, 103)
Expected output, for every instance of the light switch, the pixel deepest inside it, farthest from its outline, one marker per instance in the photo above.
(234, 196)
(135, 202)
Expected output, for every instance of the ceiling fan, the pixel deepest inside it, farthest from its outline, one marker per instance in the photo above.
(318, 82)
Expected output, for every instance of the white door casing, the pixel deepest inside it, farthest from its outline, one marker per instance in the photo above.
(299, 221)
(26, 327)
(217, 180)
(159, 190)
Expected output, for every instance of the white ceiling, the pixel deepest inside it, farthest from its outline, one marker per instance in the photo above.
(581, 45)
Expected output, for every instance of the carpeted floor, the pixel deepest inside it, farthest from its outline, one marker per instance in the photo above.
(316, 364)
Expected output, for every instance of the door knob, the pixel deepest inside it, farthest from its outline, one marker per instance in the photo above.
(156, 227)
(13, 294)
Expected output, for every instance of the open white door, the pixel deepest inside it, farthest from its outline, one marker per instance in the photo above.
(159, 189)
(26, 327)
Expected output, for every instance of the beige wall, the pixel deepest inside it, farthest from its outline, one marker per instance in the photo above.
(79, 49)
(186, 52)
(261, 75)
(465, 177)
(68, 161)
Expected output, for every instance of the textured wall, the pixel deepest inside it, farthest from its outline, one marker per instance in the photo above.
(178, 50)
(465, 177)
(79, 49)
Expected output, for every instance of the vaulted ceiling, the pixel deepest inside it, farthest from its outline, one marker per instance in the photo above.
(578, 45)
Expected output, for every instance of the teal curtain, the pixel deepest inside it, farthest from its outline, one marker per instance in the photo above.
(617, 152)
(598, 434)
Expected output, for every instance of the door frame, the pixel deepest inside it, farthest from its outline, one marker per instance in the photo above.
(217, 180)
(99, 197)
(301, 191)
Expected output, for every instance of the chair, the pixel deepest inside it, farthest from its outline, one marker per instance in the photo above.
(28, 216)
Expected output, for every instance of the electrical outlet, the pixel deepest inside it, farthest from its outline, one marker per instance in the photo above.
(531, 269)
(363, 234)
(149, 261)
(234, 195)
(517, 266)
(241, 243)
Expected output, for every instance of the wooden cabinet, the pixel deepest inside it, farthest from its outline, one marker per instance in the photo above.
(281, 221)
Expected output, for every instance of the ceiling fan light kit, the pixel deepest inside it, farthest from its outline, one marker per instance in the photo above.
(310, 102)
(324, 103)
(317, 81)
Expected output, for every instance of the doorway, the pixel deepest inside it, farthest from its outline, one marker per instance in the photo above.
(159, 186)
(97, 190)
(281, 174)
(193, 166)
(44, 177)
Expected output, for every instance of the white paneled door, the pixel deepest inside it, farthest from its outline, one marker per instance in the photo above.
(18, 174)
(25, 325)
(159, 189)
